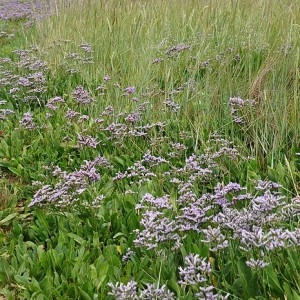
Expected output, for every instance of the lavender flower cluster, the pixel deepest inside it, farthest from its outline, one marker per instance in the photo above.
(130, 291)
(17, 9)
(228, 212)
(70, 186)
(237, 106)
(28, 83)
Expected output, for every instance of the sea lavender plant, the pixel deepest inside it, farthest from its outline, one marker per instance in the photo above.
(208, 293)
(70, 186)
(87, 140)
(152, 292)
(5, 112)
(215, 238)
(129, 90)
(81, 96)
(236, 105)
(196, 271)
(158, 226)
(177, 49)
(27, 121)
(130, 291)
(122, 291)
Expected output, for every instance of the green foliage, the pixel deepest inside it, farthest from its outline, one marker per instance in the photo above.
(233, 48)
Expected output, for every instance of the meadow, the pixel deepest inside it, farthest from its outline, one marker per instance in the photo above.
(149, 149)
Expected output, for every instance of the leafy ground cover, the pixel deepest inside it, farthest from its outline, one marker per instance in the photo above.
(149, 150)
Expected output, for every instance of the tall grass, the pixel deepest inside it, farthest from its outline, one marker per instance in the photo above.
(252, 49)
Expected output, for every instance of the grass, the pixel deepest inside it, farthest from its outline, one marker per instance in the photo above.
(152, 177)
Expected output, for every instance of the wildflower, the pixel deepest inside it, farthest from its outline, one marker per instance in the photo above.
(256, 263)
(86, 47)
(133, 118)
(82, 96)
(5, 112)
(129, 90)
(153, 292)
(215, 238)
(87, 141)
(176, 49)
(236, 104)
(106, 78)
(27, 121)
(157, 60)
(196, 270)
(174, 106)
(157, 226)
(122, 291)
(71, 114)
(207, 293)
(128, 255)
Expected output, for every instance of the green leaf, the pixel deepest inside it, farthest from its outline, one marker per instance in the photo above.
(237, 287)
(296, 295)
(42, 220)
(76, 238)
(17, 171)
(245, 276)
(173, 284)
(7, 219)
(287, 291)
(84, 294)
(5, 271)
(118, 235)
(272, 279)
(102, 273)
(22, 280)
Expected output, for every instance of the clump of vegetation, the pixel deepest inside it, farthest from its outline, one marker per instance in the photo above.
(150, 150)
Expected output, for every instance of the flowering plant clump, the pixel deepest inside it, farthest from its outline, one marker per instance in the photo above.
(237, 106)
(130, 291)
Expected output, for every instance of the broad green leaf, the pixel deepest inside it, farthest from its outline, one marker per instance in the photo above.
(8, 218)
(17, 171)
(272, 279)
(173, 284)
(22, 280)
(287, 291)
(296, 295)
(76, 238)
(84, 294)
(5, 271)
(42, 220)
(102, 273)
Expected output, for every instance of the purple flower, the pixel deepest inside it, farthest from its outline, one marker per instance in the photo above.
(27, 121)
(152, 291)
(207, 293)
(157, 230)
(86, 47)
(71, 114)
(236, 104)
(171, 104)
(82, 96)
(122, 291)
(5, 112)
(256, 263)
(129, 90)
(176, 49)
(106, 78)
(215, 238)
(195, 271)
(87, 140)
(133, 118)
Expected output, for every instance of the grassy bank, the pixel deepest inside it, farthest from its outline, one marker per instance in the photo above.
(151, 150)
